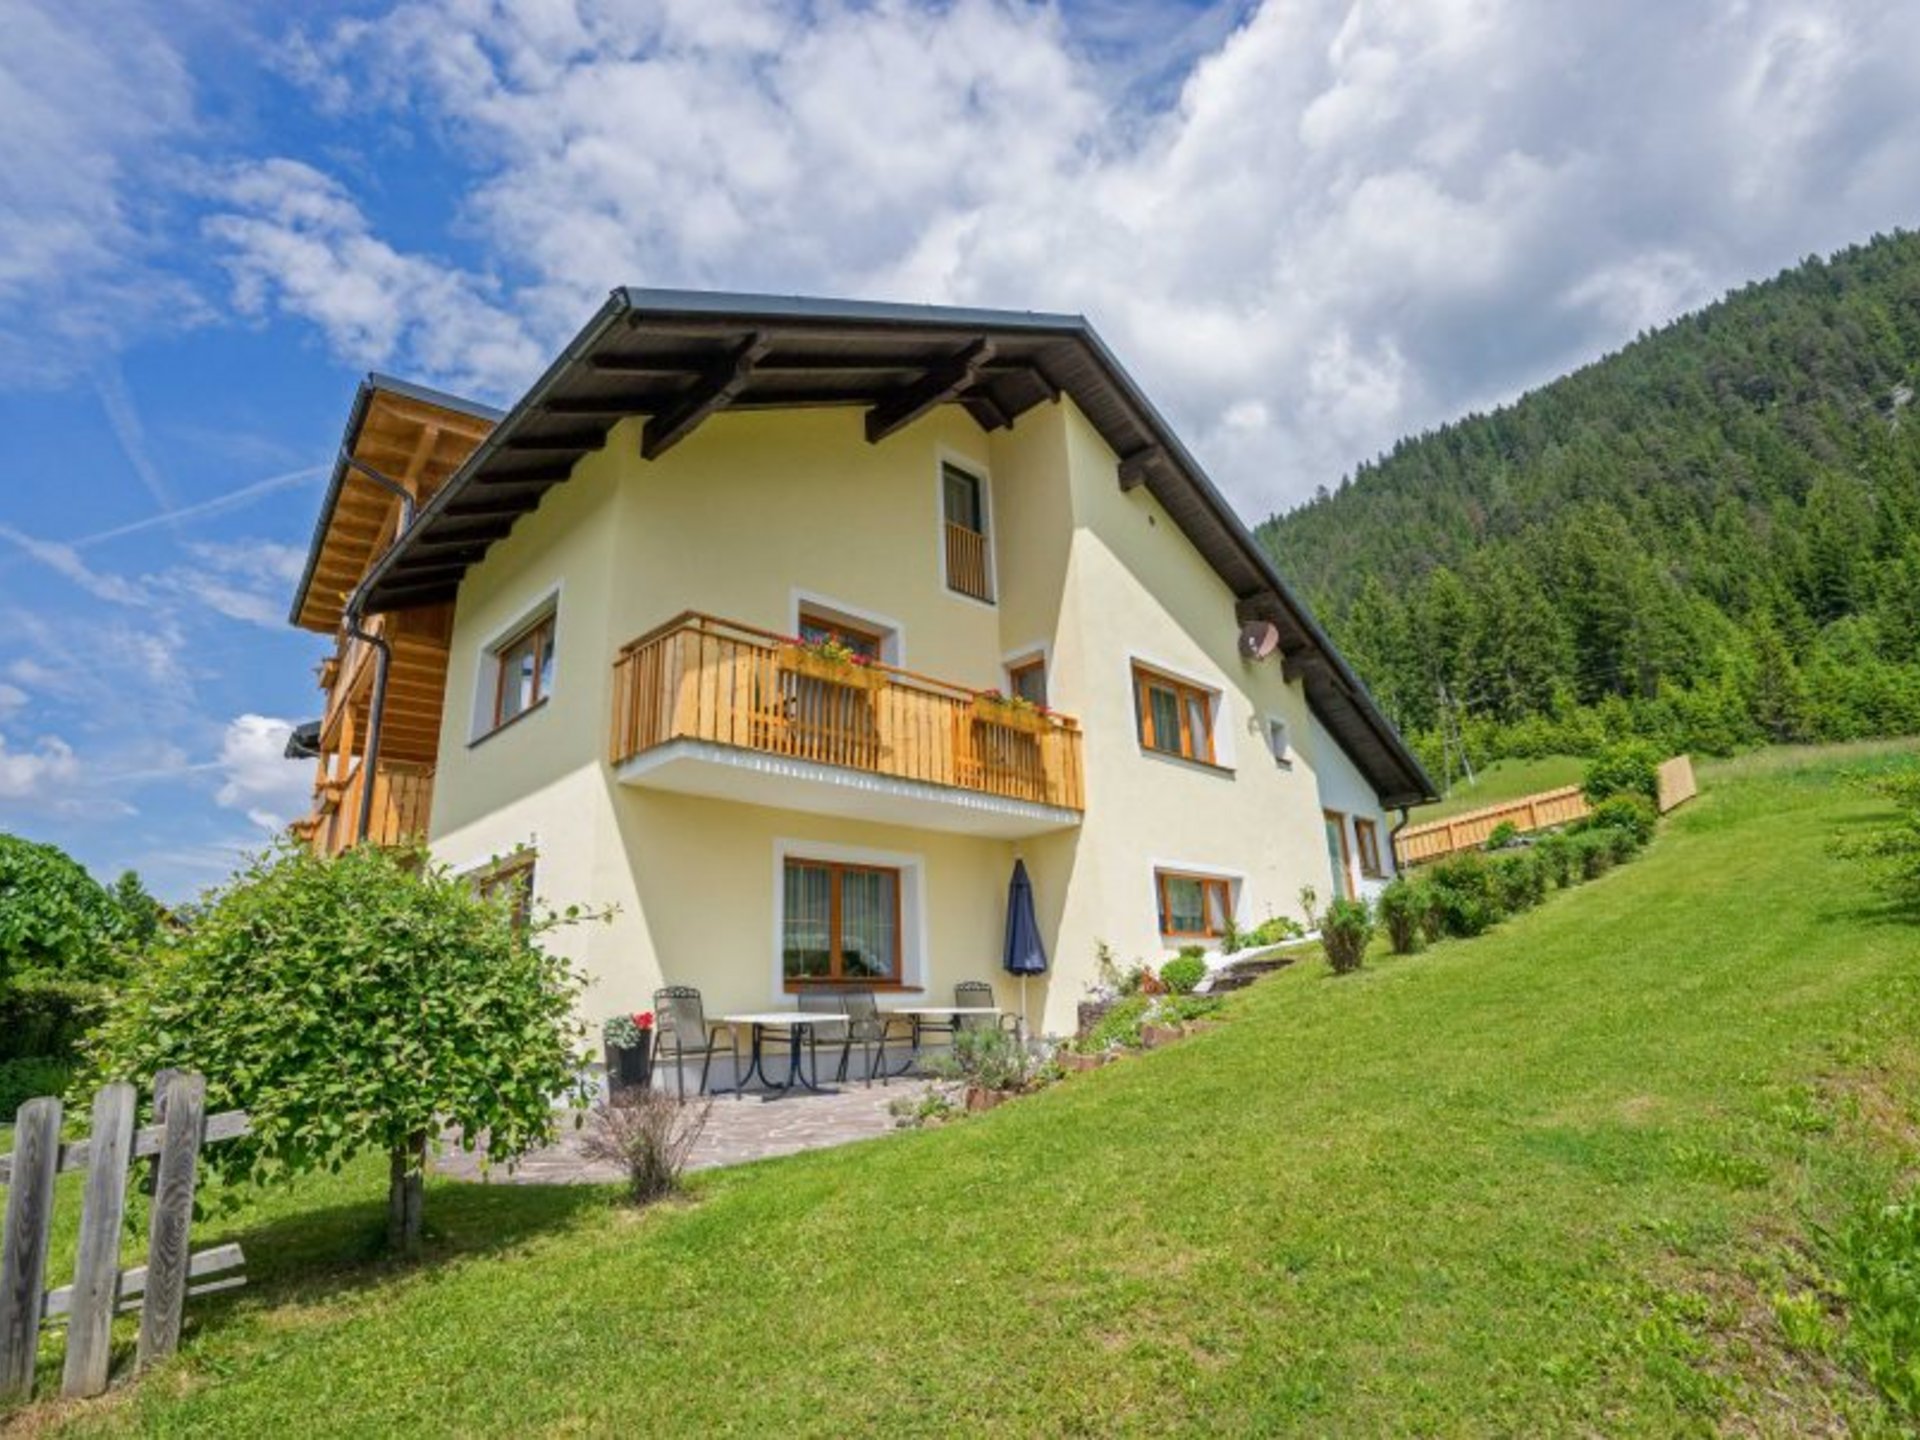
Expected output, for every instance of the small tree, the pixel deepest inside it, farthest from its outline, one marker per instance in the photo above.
(1345, 931)
(355, 1004)
(56, 920)
(1628, 767)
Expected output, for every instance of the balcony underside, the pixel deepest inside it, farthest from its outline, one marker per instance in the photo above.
(784, 782)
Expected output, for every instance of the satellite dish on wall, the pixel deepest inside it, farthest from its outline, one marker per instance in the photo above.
(1259, 639)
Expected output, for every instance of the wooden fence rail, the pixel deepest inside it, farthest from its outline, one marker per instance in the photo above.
(100, 1288)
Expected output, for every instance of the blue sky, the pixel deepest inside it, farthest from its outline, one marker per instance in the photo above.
(1310, 226)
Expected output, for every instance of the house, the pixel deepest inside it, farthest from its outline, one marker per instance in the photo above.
(785, 626)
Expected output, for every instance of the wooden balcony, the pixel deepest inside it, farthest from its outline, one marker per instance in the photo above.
(969, 567)
(713, 707)
(402, 801)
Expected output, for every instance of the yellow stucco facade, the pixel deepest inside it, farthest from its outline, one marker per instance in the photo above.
(757, 513)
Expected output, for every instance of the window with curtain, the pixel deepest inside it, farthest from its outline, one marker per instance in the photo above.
(523, 671)
(1175, 718)
(1193, 906)
(840, 922)
(1366, 836)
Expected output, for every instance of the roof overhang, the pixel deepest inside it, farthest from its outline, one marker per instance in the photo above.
(678, 357)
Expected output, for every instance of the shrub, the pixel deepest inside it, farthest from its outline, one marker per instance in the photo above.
(24, 1079)
(1554, 854)
(1504, 834)
(1622, 842)
(1119, 1026)
(355, 1004)
(649, 1135)
(1184, 971)
(44, 1017)
(1346, 927)
(1466, 895)
(1521, 882)
(1274, 930)
(1593, 853)
(1633, 813)
(1403, 907)
(1629, 767)
(1178, 1009)
(54, 917)
(1232, 938)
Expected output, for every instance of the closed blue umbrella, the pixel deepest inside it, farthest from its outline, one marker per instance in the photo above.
(1025, 954)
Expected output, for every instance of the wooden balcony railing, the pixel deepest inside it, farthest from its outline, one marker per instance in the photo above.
(402, 801)
(968, 568)
(700, 678)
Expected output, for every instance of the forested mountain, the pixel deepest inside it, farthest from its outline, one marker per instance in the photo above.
(1711, 537)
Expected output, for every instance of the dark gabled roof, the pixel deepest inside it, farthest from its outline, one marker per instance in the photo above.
(679, 356)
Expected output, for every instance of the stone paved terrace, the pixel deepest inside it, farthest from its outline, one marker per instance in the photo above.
(749, 1128)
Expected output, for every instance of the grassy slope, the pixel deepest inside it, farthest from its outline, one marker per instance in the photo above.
(1504, 780)
(1508, 1185)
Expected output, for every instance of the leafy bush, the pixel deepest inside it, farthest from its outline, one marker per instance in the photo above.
(24, 1079)
(1466, 895)
(1346, 927)
(1554, 854)
(1179, 1009)
(1624, 843)
(1403, 906)
(1628, 767)
(1521, 882)
(1184, 971)
(1274, 930)
(1634, 813)
(361, 1003)
(1593, 853)
(1232, 938)
(1119, 1026)
(43, 1016)
(55, 919)
(1892, 847)
(649, 1135)
(1504, 834)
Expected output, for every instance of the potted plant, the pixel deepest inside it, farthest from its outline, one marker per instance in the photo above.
(831, 662)
(629, 1046)
(1013, 712)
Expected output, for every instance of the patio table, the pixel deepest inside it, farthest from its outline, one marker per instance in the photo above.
(793, 1022)
(918, 1015)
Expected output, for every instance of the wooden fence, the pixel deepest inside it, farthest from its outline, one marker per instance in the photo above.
(1418, 844)
(100, 1288)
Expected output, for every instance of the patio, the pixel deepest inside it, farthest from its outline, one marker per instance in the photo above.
(739, 1130)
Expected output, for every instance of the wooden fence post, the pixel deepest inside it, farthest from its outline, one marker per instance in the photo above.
(169, 1234)
(29, 1228)
(96, 1273)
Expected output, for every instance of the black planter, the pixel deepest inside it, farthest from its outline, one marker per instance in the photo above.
(630, 1068)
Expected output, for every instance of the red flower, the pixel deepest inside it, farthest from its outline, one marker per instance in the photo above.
(643, 1020)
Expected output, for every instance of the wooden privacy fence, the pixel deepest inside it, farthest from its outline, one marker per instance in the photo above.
(100, 1288)
(1417, 844)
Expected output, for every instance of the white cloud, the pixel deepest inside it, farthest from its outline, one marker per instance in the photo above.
(65, 561)
(257, 778)
(38, 773)
(1347, 222)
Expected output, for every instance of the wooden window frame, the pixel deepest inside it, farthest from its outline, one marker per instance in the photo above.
(541, 629)
(1208, 884)
(1366, 837)
(1339, 819)
(843, 630)
(1185, 692)
(837, 868)
(983, 508)
(516, 870)
(1027, 667)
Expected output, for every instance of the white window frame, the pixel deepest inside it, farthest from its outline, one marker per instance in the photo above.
(913, 907)
(943, 457)
(1279, 738)
(893, 635)
(486, 678)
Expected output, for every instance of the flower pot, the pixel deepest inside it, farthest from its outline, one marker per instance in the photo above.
(798, 660)
(1009, 717)
(630, 1067)
(1154, 1036)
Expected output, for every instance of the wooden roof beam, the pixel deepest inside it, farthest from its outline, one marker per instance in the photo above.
(1134, 467)
(938, 386)
(711, 392)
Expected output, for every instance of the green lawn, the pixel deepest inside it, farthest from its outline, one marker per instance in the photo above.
(1504, 780)
(1542, 1182)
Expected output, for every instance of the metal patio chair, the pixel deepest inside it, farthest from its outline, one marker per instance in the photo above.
(683, 1031)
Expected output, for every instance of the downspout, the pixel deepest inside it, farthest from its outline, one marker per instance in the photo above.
(1393, 837)
(382, 651)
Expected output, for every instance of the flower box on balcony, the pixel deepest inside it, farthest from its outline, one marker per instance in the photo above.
(1025, 718)
(848, 674)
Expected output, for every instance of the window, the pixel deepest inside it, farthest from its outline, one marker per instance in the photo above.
(839, 922)
(1175, 718)
(1337, 857)
(969, 559)
(1366, 837)
(1279, 742)
(510, 879)
(816, 628)
(1193, 905)
(523, 671)
(1028, 680)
